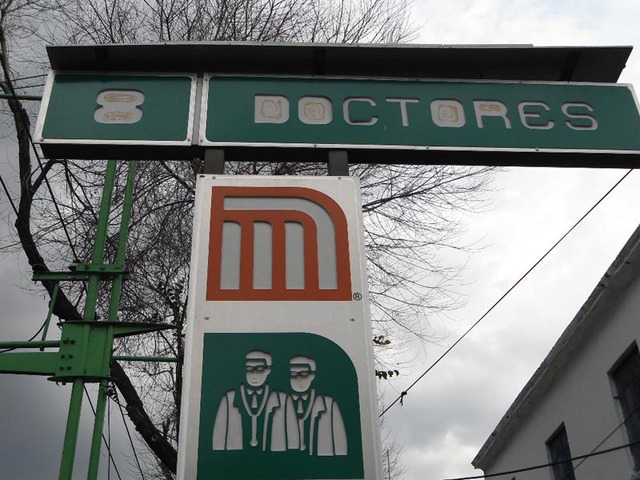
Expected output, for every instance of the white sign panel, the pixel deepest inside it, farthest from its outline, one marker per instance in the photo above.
(279, 375)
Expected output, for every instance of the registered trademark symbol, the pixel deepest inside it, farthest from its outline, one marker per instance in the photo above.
(357, 296)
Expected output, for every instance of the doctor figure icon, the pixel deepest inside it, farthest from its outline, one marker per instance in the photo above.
(245, 414)
(313, 420)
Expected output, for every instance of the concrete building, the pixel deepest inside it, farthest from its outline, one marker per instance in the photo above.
(585, 397)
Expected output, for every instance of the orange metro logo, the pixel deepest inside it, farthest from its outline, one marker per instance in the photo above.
(277, 243)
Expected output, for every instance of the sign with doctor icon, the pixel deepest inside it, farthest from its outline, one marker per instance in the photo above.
(245, 414)
(314, 420)
(278, 406)
(255, 415)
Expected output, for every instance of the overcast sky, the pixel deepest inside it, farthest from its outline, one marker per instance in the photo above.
(447, 417)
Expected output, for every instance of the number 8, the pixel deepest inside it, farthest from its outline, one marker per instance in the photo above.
(119, 107)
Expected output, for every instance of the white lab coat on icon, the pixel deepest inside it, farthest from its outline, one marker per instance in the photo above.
(319, 430)
(227, 429)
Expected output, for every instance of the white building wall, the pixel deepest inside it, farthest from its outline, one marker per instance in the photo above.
(582, 397)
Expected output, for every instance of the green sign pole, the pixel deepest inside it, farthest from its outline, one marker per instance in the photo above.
(96, 440)
(116, 291)
(75, 405)
(71, 432)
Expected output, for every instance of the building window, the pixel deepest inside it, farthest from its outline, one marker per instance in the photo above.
(560, 455)
(626, 377)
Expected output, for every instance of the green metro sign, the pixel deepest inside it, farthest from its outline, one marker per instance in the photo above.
(91, 115)
(278, 406)
(394, 114)
(403, 121)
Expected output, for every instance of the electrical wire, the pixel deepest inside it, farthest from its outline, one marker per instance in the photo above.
(504, 295)
(6, 191)
(104, 439)
(35, 85)
(133, 448)
(584, 458)
(30, 77)
(33, 337)
(109, 434)
(635, 411)
(537, 467)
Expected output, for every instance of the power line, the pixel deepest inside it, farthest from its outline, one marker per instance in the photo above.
(133, 448)
(29, 77)
(405, 392)
(6, 191)
(32, 86)
(104, 439)
(537, 467)
(109, 434)
(609, 436)
(584, 458)
(33, 337)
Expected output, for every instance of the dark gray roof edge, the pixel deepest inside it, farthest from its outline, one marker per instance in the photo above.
(494, 62)
(250, 44)
(622, 270)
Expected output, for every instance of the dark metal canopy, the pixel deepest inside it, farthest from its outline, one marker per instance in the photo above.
(501, 62)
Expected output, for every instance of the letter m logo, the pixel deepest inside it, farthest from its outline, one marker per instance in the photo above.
(277, 243)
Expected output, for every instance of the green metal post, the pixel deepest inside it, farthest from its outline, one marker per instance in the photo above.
(75, 406)
(116, 290)
(54, 297)
(101, 237)
(71, 432)
(36, 98)
(96, 440)
(30, 344)
(122, 240)
(98, 425)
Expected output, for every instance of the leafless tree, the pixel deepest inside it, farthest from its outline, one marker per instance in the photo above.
(409, 212)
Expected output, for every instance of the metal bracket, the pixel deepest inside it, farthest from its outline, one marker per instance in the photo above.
(86, 347)
(214, 161)
(338, 163)
(84, 351)
(80, 272)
